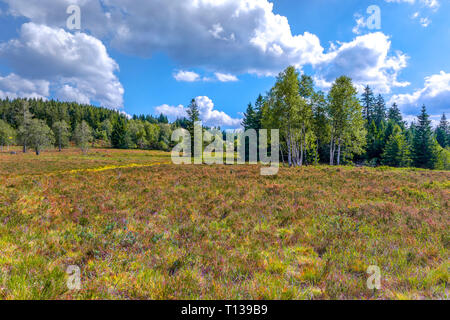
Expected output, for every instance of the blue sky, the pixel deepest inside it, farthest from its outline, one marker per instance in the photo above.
(155, 56)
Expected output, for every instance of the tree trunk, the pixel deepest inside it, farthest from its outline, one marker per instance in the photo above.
(339, 153)
(289, 151)
(317, 152)
(24, 148)
(301, 153)
(60, 147)
(331, 151)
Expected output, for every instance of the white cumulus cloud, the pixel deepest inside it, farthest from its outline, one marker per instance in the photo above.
(77, 65)
(435, 95)
(367, 61)
(210, 116)
(186, 76)
(14, 86)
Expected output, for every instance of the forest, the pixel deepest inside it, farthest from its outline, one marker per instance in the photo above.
(340, 127)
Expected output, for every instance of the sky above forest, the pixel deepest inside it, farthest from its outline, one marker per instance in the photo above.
(152, 57)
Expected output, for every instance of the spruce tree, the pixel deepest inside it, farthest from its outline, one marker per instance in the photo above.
(259, 104)
(193, 113)
(397, 151)
(368, 103)
(119, 134)
(395, 115)
(443, 132)
(424, 152)
(249, 118)
(380, 111)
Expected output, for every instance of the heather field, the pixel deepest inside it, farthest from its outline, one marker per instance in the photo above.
(140, 227)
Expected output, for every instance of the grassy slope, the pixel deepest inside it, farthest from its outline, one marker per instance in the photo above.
(173, 232)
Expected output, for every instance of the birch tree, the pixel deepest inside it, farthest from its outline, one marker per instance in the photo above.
(282, 111)
(61, 131)
(346, 121)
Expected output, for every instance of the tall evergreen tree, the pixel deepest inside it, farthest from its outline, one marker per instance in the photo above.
(443, 132)
(424, 152)
(119, 134)
(258, 112)
(193, 113)
(395, 115)
(249, 121)
(368, 105)
(380, 111)
(397, 151)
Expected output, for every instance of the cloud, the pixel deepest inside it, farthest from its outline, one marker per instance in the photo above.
(366, 60)
(425, 22)
(222, 77)
(173, 112)
(13, 86)
(77, 65)
(186, 76)
(360, 24)
(435, 95)
(208, 114)
(190, 76)
(432, 4)
(226, 38)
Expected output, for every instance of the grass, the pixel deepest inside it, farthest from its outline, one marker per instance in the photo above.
(140, 227)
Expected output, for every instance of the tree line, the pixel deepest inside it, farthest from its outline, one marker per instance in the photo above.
(39, 124)
(335, 128)
(342, 128)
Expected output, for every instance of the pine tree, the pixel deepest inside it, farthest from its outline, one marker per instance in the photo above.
(368, 103)
(119, 134)
(258, 112)
(395, 115)
(163, 119)
(249, 121)
(424, 152)
(380, 111)
(397, 151)
(443, 132)
(193, 113)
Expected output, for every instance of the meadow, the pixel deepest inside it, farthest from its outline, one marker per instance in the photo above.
(140, 227)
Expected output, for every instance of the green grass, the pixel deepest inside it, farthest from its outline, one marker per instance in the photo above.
(142, 228)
